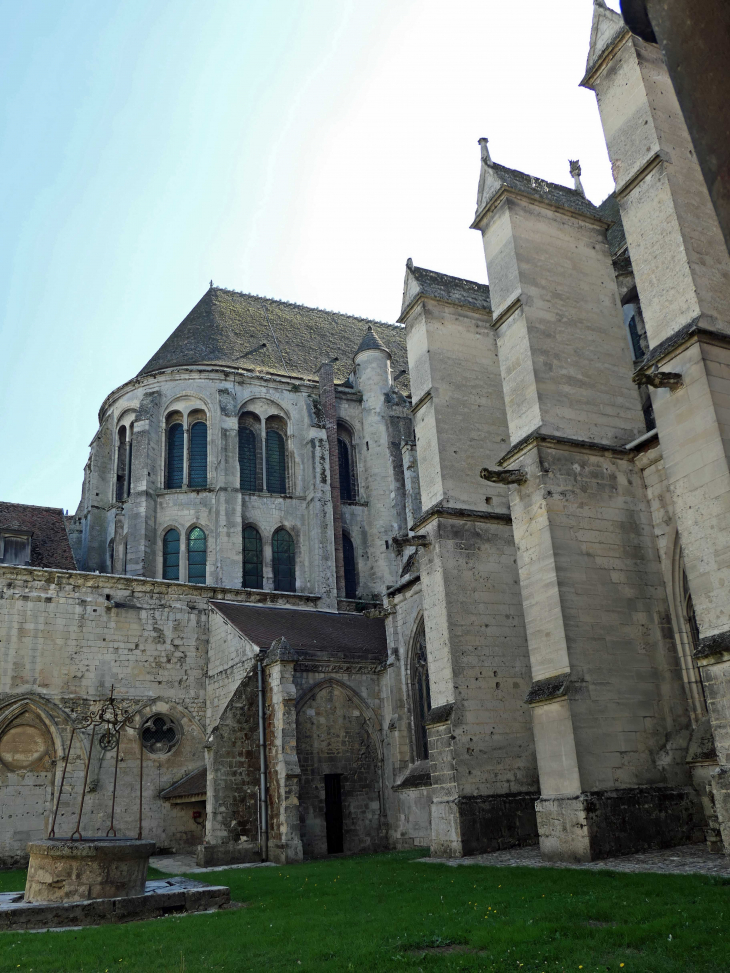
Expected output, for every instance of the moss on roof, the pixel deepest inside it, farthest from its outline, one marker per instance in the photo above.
(245, 331)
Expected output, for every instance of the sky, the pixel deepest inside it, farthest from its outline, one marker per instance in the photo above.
(297, 149)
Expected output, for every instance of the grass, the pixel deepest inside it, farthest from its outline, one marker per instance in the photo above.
(388, 912)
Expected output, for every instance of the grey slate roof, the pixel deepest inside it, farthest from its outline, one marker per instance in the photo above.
(192, 785)
(229, 328)
(311, 634)
(458, 290)
(370, 342)
(49, 545)
(542, 189)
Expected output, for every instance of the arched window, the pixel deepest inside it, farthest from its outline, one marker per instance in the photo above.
(247, 458)
(421, 691)
(253, 559)
(198, 473)
(121, 487)
(196, 556)
(348, 556)
(171, 555)
(343, 456)
(693, 629)
(175, 454)
(346, 463)
(275, 462)
(284, 563)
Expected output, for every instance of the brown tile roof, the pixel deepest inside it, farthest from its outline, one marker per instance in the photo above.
(312, 634)
(243, 330)
(190, 786)
(456, 290)
(49, 546)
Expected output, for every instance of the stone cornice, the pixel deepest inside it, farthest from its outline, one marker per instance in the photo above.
(692, 331)
(403, 586)
(508, 192)
(713, 648)
(440, 512)
(562, 442)
(420, 298)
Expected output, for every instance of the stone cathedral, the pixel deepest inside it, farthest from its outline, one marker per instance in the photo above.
(460, 582)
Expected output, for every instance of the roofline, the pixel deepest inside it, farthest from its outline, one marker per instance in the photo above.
(612, 49)
(421, 297)
(224, 370)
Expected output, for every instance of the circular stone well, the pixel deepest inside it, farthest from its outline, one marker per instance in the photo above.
(92, 868)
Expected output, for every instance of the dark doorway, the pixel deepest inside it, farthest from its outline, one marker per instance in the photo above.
(333, 813)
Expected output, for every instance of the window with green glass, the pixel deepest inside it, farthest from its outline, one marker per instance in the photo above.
(247, 458)
(253, 559)
(348, 556)
(343, 456)
(283, 560)
(198, 455)
(275, 462)
(175, 452)
(171, 555)
(196, 556)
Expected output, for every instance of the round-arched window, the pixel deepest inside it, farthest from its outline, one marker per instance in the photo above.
(160, 734)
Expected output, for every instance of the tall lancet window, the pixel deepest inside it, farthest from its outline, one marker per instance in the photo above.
(197, 556)
(121, 488)
(421, 689)
(175, 456)
(198, 474)
(283, 561)
(253, 559)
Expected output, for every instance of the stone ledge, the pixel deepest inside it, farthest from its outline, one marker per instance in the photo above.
(441, 512)
(161, 898)
(439, 714)
(544, 690)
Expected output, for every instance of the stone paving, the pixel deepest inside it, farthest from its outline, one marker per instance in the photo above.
(185, 864)
(684, 860)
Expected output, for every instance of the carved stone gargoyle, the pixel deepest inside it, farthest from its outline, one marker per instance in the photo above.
(410, 540)
(659, 380)
(503, 476)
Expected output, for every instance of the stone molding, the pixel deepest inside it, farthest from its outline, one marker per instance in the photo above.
(692, 331)
(538, 438)
(440, 512)
(352, 667)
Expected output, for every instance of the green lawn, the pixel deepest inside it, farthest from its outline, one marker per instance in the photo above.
(387, 912)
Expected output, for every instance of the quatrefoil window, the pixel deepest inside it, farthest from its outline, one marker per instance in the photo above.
(160, 734)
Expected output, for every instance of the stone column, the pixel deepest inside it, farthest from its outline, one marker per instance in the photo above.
(329, 408)
(413, 486)
(281, 754)
(228, 501)
(144, 478)
(98, 499)
(609, 712)
(480, 748)
(682, 271)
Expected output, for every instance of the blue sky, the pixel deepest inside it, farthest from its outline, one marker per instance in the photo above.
(300, 150)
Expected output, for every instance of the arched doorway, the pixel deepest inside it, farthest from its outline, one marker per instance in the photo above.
(340, 788)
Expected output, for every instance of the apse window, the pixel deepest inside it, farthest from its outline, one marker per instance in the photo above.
(15, 547)
(160, 734)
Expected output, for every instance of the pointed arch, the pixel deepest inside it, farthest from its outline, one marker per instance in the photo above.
(420, 688)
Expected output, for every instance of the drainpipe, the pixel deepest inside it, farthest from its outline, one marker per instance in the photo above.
(263, 800)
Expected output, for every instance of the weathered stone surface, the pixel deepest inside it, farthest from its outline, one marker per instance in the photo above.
(71, 871)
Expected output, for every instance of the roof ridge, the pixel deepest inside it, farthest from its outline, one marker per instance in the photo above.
(307, 307)
(440, 273)
(549, 182)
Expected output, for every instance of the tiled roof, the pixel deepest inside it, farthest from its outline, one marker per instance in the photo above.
(370, 342)
(190, 786)
(455, 290)
(542, 189)
(243, 330)
(312, 634)
(49, 546)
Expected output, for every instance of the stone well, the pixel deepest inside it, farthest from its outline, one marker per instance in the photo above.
(98, 868)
